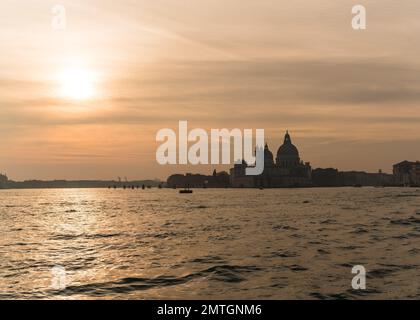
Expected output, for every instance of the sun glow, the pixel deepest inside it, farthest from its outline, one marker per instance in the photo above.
(77, 84)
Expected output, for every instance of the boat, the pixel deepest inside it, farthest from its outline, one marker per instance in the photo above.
(186, 190)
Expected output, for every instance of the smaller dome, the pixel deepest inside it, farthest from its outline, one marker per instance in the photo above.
(268, 156)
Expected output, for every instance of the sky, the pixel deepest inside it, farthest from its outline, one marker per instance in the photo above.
(350, 99)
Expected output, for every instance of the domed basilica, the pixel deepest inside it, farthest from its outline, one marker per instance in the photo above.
(287, 171)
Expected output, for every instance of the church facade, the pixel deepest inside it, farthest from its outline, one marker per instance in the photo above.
(285, 172)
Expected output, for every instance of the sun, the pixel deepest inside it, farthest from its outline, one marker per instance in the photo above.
(77, 84)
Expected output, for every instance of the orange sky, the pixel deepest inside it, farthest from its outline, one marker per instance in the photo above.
(350, 98)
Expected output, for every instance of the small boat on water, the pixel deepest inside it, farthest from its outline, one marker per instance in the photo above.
(186, 190)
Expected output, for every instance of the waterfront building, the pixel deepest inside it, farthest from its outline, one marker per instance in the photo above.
(407, 173)
(287, 171)
(3, 180)
(216, 180)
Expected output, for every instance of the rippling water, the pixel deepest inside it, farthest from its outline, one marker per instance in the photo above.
(213, 244)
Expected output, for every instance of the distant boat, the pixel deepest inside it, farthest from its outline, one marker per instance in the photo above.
(186, 190)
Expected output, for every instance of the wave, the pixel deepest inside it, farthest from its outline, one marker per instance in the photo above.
(410, 221)
(223, 273)
(285, 254)
(85, 236)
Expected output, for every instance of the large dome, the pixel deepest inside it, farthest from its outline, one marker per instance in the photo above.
(287, 152)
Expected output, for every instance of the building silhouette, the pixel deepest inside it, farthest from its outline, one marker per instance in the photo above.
(287, 171)
(3, 181)
(407, 173)
(331, 177)
(216, 180)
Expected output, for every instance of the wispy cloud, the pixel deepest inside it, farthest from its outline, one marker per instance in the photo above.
(231, 63)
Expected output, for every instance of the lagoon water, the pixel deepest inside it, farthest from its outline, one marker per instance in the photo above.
(213, 244)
